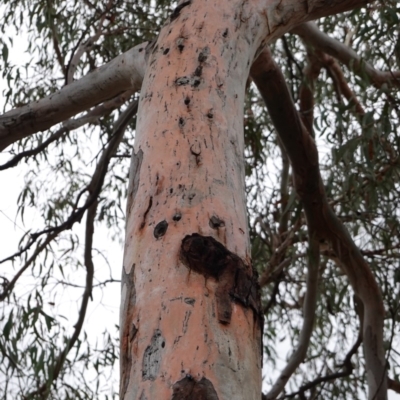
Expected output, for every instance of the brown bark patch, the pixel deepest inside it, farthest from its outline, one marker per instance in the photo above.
(190, 389)
(210, 258)
(128, 329)
(152, 357)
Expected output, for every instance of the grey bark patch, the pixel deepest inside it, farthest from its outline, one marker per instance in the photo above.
(190, 389)
(188, 80)
(160, 229)
(128, 329)
(210, 258)
(216, 222)
(152, 357)
(203, 54)
(134, 176)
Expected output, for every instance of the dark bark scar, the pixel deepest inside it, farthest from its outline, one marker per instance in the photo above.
(236, 281)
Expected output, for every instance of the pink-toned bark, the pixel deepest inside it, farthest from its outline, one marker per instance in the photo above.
(186, 331)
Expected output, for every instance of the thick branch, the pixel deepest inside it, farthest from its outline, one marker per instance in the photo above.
(123, 73)
(91, 117)
(303, 155)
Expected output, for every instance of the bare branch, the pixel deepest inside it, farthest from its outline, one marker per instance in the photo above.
(311, 35)
(123, 73)
(306, 90)
(95, 185)
(303, 155)
(91, 117)
(310, 303)
(9, 286)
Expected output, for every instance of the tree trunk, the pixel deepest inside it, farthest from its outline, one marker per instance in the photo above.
(191, 325)
(190, 319)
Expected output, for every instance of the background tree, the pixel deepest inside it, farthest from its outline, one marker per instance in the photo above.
(341, 75)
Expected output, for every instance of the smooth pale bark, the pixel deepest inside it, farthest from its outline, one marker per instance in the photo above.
(123, 73)
(188, 173)
(187, 178)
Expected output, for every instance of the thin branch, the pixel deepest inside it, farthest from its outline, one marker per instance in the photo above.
(97, 181)
(310, 303)
(95, 184)
(54, 36)
(89, 43)
(9, 286)
(306, 90)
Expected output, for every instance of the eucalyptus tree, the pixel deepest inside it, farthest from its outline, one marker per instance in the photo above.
(262, 204)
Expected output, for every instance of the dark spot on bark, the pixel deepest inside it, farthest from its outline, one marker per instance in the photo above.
(171, 191)
(181, 122)
(166, 51)
(189, 300)
(187, 101)
(191, 196)
(177, 217)
(190, 389)
(134, 176)
(160, 229)
(184, 80)
(198, 71)
(203, 54)
(236, 281)
(146, 212)
(181, 47)
(216, 223)
(133, 332)
(152, 357)
(177, 11)
(196, 82)
(210, 114)
(140, 50)
(225, 33)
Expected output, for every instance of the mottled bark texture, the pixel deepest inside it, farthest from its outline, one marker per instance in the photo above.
(196, 307)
